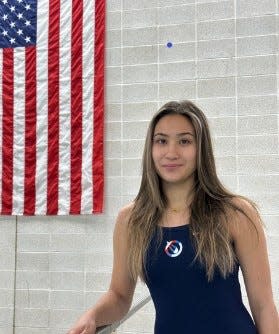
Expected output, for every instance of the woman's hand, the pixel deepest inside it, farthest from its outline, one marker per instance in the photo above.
(85, 325)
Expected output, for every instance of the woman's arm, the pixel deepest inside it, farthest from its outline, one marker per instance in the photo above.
(251, 251)
(115, 303)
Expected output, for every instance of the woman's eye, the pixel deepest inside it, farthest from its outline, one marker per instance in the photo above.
(160, 141)
(185, 141)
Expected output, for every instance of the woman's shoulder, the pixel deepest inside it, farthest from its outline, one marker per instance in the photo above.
(124, 214)
(243, 216)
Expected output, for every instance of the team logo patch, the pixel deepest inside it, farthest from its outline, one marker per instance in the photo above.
(173, 248)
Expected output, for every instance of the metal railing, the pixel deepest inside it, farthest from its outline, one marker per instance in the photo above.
(108, 329)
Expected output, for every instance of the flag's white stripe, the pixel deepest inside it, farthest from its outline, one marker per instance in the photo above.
(1, 118)
(42, 108)
(19, 131)
(64, 178)
(87, 117)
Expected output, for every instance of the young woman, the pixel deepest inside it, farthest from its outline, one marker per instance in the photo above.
(186, 236)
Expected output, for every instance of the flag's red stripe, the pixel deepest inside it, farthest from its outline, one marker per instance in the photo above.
(8, 131)
(30, 131)
(76, 106)
(98, 160)
(53, 107)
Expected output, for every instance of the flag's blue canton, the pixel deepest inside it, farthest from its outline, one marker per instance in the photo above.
(18, 23)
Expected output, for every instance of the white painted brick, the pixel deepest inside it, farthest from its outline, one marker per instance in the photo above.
(132, 149)
(33, 224)
(257, 125)
(258, 184)
(216, 68)
(32, 317)
(177, 33)
(99, 242)
(113, 149)
(140, 73)
(167, 3)
(264, 25)
(113, 186)
(139, 36)
(33, 261)
(140, 111)
(113, 38)
(176, 15)
(67, 281)
(217, 48)
(64, 318)
(258, 145)
(246, 8)
(256, 65)
(113, 20)
(177, 71)
(6, 298)
(258, 164)
(32, 299)
(113, 94)
(6, 316)
(113, 112)
(91, 298)
(66, 261)
(229, 181)
(216, 87)
(178, 52)
(134, 4)
(215, 10)
(7, 241)
(139, 18)
(26, 279)
(32, 242)
(113, 5)
(98, 262)
(256, 85)
(215, 29)
(224, 146)
(257, 105)
(139, 92)
(217, 107)
(177, 90)
(113, 75)
(7, 260)
(134, 130)
(271, 225)
(97, 281)
(131, 185)
(113, 56)
(226, 165)
(132, 167)
(30, 330)
(268, 203)
(67, 242)
(66, 299)
(7, 330)
(139, 55)
(6, 279)
(224, 126)
(113, 130)
(112, 205)
(256, 45)
(113, 167)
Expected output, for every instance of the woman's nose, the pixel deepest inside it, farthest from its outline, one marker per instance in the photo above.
(172, 151)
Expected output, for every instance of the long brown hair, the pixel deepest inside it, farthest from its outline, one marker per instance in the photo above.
(209, 207)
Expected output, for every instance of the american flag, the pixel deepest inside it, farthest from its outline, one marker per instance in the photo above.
(51, 106)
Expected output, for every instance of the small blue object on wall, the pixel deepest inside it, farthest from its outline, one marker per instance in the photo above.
(169, 44)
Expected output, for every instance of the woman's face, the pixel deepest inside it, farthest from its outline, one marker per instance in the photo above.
(174, 149)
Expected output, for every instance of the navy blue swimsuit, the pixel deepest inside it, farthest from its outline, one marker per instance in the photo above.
(185, 302)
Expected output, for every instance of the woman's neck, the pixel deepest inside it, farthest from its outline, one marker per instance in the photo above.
(179, 196)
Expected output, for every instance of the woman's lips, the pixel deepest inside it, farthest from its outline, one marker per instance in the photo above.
(171, 166)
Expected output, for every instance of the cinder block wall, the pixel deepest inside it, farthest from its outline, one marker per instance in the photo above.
(224, 57)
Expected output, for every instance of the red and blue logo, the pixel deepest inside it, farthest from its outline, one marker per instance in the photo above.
(173, 248)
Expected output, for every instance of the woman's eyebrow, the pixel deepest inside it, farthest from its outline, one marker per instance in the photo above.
(178, 135)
